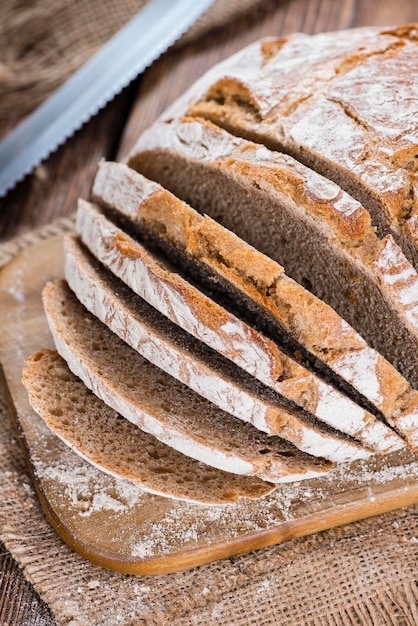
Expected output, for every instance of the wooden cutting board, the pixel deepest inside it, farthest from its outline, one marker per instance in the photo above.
(115, 524)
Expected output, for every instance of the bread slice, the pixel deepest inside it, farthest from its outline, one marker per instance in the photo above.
(350, 115)
(202, 369)
(205, 247)
(114, 445)
(281, 207)
(152, 279)
(163, 406)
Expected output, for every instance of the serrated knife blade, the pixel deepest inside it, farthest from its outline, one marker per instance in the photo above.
(142, 40)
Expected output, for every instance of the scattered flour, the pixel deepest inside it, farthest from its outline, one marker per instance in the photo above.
(93, 584)
(187, 526)
(17, 290)
(181, 525)
(88, 489)
(264, 586)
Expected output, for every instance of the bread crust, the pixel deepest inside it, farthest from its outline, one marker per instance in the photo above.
(344, 103)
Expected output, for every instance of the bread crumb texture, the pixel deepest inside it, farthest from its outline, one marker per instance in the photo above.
(116, 446)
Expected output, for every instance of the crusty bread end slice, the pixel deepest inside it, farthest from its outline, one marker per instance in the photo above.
(114, 445)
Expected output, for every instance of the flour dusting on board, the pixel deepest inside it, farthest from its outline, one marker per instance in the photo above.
(17, 289)
(88, 489)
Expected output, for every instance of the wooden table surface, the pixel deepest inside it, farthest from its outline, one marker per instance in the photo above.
(68, 174)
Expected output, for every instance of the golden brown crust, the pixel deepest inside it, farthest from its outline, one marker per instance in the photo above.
(350, 114)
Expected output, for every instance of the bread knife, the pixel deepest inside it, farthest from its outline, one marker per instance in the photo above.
(142, 40)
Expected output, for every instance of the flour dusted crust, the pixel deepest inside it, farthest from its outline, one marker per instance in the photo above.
(273, 194)
(89, 427)
(174, 297)
(150, 207)
(202, 317)
(345, 103)
(200, 141)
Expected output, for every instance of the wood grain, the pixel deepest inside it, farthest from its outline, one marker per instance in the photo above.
(69, 171)
(26, 607)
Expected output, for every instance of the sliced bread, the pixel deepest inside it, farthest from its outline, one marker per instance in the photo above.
(114, 445)
(161, 405)
(151, 278)
(261, 286)
(204, 370)
(321, 235)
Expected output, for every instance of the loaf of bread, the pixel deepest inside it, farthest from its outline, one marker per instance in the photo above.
(247, 296)
(113, 444)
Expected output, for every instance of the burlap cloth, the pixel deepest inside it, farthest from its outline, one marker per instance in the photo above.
(361, 574)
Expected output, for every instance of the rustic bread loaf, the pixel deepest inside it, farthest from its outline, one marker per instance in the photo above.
(320, 234)
(152, 278)
(204, 370)
(242, 339)
(262, 286)
(162, 406)
(345, 103)
(114, 445)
